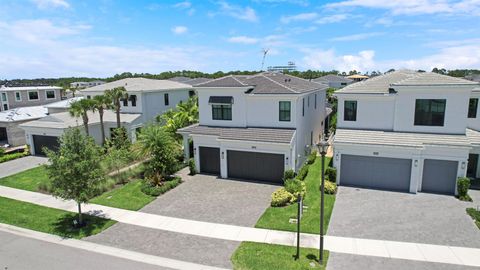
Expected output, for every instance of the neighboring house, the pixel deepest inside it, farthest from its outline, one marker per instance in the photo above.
(46, 131)
(357, 77)
(61, 106)
(256, 127)
(10, 132)
(406, 131)
(334, 81)
(190, 81)
(27, 96)
(147, 97)
(86, 84)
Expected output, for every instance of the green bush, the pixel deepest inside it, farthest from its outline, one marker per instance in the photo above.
(2, 151)
(330, 187)
(463, 184)
(295, 187)
(302, 173)
(331, 174)
(13, 156)
(288, 174)
(281, 197)
(191, 166)
(156, 191)
(311, 158)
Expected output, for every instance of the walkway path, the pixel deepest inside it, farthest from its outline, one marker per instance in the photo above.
(356, 246)
(21, 164)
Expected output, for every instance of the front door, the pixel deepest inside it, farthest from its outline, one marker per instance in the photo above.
(472, 165)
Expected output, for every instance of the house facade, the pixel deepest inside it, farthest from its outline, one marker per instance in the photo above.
(404, 131)
(255, 127)
(10, 132)
(334, 81)
(28, 96)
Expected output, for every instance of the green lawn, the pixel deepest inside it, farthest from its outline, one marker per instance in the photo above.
(128, 197)
(29, 180)
(277, 217)
(257, 256)
(48, 220)
(475, 214)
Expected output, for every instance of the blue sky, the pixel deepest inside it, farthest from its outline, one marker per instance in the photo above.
(53, 38)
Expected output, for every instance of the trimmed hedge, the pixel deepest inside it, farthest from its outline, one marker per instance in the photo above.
(13, 156)
(156, 191)
(295, 187)
(288, 174)
(463, 184)
(191, 166)
(281, 197)
(331, 174)
(311, 158)
(302, 173)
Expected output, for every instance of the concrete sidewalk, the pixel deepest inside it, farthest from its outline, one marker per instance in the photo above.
(355, 246)
(21, 164)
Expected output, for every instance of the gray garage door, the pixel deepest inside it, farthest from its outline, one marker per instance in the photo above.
(3, 134)
(210, 160)
(376, 172)
(439, 176)
(50, 142)
(255, 166)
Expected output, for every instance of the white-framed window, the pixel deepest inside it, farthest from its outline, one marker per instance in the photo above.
(50, 94)
(18, 96)
(4, 97)
(33, 95)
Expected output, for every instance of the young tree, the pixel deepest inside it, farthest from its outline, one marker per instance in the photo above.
(102, 103)
(157, 144)
(116, 95)
(80, 108)
(75, 169)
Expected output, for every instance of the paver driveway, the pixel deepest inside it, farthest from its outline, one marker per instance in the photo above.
(21, 164)
(422, 218)
(209, 198)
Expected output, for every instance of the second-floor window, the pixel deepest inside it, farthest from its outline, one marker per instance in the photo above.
(125, 102)
(165, 97)
(50, 94)
(4, 97)
(430, 112)
(350, 110)
(18, 97)
(33, 95)
(284, 110)
(472, 108)
(221, 112)
(303, 107)
(133, 99)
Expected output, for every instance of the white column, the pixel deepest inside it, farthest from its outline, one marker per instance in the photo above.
(186, 147)
(223, 162)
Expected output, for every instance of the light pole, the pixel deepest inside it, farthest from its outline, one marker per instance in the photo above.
(322, 146)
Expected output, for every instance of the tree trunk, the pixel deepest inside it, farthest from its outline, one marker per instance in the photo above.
(80, 219)
(85, 123)
(118, 113)
(100, 112)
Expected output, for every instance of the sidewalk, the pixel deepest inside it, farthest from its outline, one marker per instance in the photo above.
(356, 246)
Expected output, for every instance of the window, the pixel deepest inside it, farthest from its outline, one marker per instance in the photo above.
(303, 107)
(284, 110)
(18, 96)
(191, 93)
(315, 101)
(311, 138)
(350, 110)
(222, 112)
(33, 95)
(89, 97)
(343, 83)
(430, 112)
(125, 102)
(50, 94)
(308, 101)
(165, 97)
(472, 108)
(4, 97)
(5, 107)
(133, 99)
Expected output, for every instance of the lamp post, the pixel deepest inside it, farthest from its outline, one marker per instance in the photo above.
(322, 147)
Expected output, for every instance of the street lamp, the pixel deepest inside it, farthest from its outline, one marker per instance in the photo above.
(322, 147)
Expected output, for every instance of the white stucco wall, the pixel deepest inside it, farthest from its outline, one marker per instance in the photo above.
(373, 112)
(239, 106)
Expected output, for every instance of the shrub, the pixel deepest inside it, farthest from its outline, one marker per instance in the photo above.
(311, 158)
(288, 174)
(302, 173)
(156, 191)
(191, 166)
(13, 156)
(2, 151)
(330, 187)
(331, 174)
(295, 187)
(463, 184)
(281, 197)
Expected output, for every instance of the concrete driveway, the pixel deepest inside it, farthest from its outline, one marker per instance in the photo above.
(21, 164)
(422, 218)
(209, 198)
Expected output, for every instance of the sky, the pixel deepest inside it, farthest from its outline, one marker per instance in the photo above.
(100, 38)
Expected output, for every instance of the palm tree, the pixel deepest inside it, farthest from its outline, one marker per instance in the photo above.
(102, 103)
(80, 108)
(115, 95)
(183, 115)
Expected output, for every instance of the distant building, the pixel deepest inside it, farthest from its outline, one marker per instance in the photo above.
(334, 81)
(10, 132)
(357, 77)
(290, 67)
(27, 96)
(86, 84)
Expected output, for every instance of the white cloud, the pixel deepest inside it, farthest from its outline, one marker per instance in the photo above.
(242, 13)
(243, 40)
(299, 17)
(178, 30)
(45, 4)
(356, 37)
(276, 2)
(183, 5)
(332, 19)
(328, 59)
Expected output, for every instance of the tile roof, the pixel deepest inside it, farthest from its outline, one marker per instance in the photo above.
(139, 85)
(401, 139)
(273, 135)
(23, 114)
(382, 83)
(267, 83)
(332, 78)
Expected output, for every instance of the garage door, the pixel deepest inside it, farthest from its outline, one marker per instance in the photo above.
(439, 176)
(255, 166)
(50, 142)
(3, 134)
(210, 160)
(376, 172)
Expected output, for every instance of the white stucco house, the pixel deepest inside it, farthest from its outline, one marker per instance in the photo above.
(11, 133)
(407, 131)
(256, 127)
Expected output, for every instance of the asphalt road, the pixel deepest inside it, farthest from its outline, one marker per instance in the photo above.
(17, 252)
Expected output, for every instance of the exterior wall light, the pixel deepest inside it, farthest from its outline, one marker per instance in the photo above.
(194, 150)
(223, 155)
(415, 163)
(463, 165)
(337, 156)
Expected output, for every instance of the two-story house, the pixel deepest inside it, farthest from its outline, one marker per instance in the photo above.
(255, 127)
(404, 131)
(28, 96)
